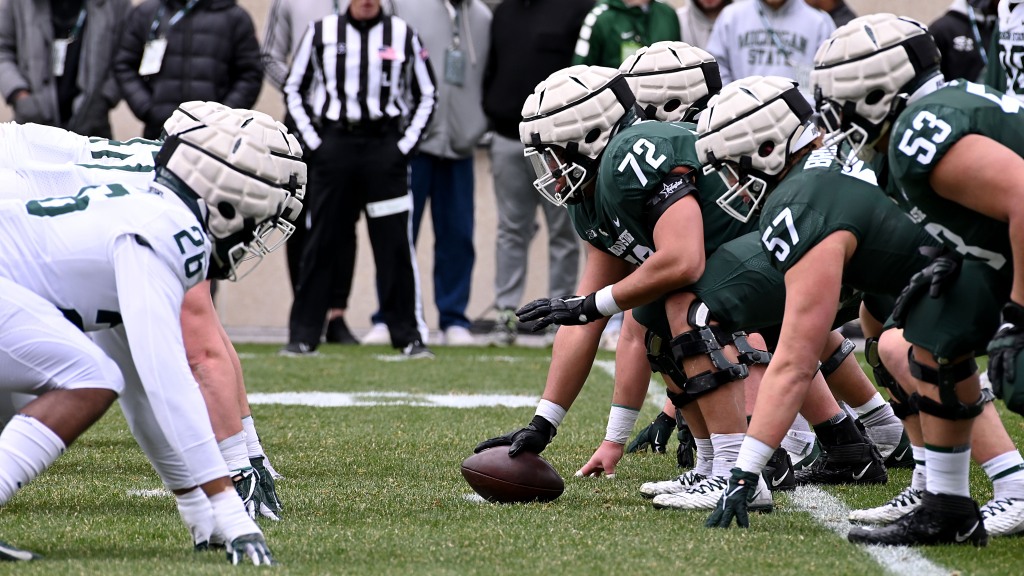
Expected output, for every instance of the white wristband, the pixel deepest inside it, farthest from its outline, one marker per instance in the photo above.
(551, 412)
(620, 423)
(606, 302)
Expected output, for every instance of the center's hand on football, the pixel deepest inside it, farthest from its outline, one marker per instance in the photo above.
(534, 438)
(604, 461)
(571, 311)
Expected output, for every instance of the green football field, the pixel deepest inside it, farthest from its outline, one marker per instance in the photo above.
(372, 486)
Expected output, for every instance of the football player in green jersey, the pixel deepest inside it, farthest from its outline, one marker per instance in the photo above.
(953, 162)
(825, 228)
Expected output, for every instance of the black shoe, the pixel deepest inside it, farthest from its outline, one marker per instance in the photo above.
(778, 473)
(338, 332)
(298, 349)
(417, 349)
(845, 464)
(9, 553)
(941, 519)
(902, 456)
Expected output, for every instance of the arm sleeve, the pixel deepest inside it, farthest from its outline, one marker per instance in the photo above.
(246, 70)
(277, 40)
(424, 94)
(11, 78)
(587, 45)
(150, 296)
(303, 72)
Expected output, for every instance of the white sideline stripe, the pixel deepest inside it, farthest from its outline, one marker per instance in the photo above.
(832, 513)
(345, 399)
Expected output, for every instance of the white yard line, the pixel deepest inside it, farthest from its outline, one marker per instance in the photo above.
(346, 399)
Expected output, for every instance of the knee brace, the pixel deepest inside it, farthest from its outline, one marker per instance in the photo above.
(679, 400)
(946, 376)
(660, 358)
(901, 402)
(748, 355)
(846, 347)
(705, 341)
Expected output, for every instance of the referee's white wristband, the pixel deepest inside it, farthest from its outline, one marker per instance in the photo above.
(606, 302)
(620, 423)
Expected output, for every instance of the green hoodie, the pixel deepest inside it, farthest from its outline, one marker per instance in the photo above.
(612, 31)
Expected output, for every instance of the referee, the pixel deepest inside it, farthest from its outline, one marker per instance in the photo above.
(361, 93)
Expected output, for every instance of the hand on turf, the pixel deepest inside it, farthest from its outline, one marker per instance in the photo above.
(251, 546)
(267, 485)
(572, 311)
(255, 500)
(654, 436)
(733, 503)
(534, 438)
(604, 461)
(1005, 346)
(934, 277)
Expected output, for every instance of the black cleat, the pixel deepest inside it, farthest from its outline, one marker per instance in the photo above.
(9, 553)
(778, 473)
(902, 456)
(298, 349)
(941, 519)
(846, 464)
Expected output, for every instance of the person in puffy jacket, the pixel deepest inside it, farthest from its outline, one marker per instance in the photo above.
(175, 51)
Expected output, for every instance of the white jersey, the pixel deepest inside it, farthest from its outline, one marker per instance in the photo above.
(39, 161)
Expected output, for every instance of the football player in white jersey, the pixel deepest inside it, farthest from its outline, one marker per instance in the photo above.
(119, 260)
(40, 161)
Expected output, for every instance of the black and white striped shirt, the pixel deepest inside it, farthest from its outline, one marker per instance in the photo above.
(353, 72)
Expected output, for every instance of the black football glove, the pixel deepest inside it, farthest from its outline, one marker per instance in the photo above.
(1005, 346)
(733, 503)
(934, 276)
(534, 438)
(252, 547)
(571, 311)
(267, 484)
(655, 436)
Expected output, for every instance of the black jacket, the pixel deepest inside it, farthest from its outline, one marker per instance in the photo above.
(212, 54)
(530, 39)
(961, 51)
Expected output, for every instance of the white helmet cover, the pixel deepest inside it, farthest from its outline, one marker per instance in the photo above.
(748, 134)
(672, 80)
(862, 74)
(247, 170)
(574, 112)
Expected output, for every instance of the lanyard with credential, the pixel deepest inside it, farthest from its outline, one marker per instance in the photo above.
(977, 34)
(775, 37)
(153, 54)
(175, 18)
(60, 45)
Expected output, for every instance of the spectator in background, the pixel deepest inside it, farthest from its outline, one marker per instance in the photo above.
(837, 9)
(173, 51)
(286, 23)
(1005, 71)
(696, 20)
(615, 29)
(55, 61)
(769, 38)
(456, 33)
(347, 93)
(530, 39)
(963, 35)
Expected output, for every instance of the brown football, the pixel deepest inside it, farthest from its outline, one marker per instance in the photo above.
(498, 478)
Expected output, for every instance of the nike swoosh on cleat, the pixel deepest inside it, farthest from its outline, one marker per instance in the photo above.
(862, 472)
(777, 481)
(961, 537)
(902, 454)
(16, 554)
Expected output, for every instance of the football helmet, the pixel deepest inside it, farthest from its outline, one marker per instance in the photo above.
(748, 134)
(864, 75)
(567, 122)
(672, 81)
(249, 176)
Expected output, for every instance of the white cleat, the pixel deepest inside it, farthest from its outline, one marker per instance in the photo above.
(705, 496)
(378, 335)
(1003, 516)
(682, 483)
(901, 504)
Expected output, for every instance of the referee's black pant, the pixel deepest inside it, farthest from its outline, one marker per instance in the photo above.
(356, 169)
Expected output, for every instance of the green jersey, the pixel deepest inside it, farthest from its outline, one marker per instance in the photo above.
(922, 135)
(634, 187)
(817, 197)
